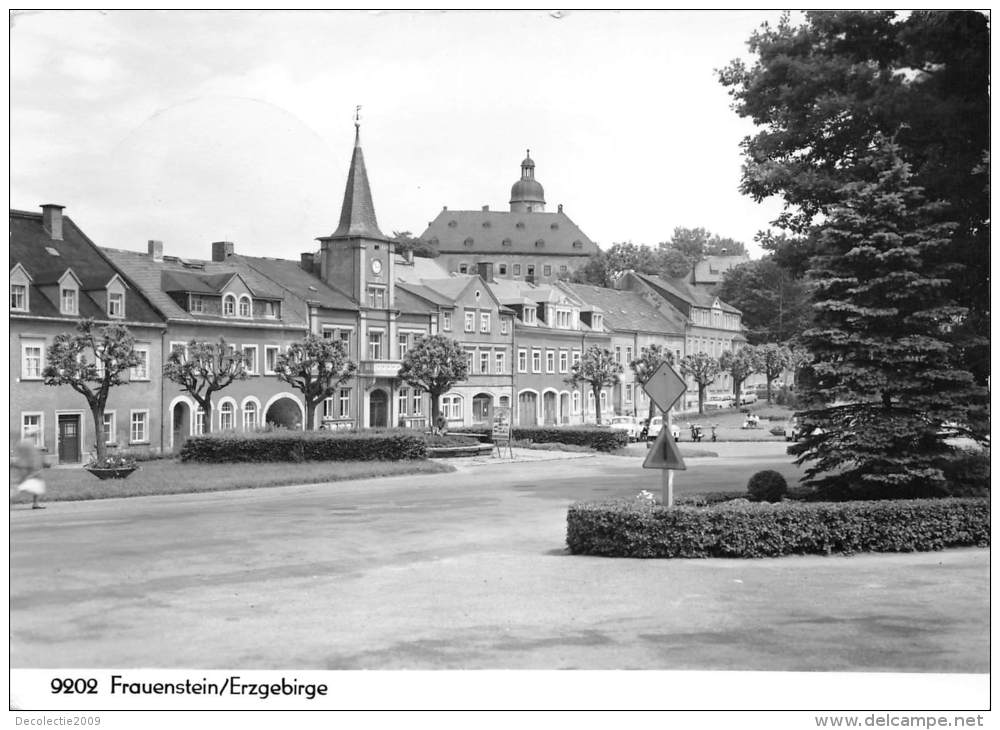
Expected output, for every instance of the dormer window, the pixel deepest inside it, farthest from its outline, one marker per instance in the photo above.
(530, 315)
(18, 297)
(598, 321)
(197, 304)
(577, 244)
(229, 305)
(116, 305)
(539, 243)
(468, 242)
(505, 242)
(68, 299)
(246, 307)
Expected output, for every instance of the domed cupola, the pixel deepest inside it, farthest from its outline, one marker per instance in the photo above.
(527, 194)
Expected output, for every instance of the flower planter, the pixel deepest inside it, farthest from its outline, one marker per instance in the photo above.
(120, 472)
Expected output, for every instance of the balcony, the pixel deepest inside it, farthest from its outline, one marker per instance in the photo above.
(379, 368)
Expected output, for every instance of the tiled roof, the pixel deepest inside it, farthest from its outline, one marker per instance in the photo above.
(425, 292)
(690, 294)
(357, 216)
(297, 282)
(499, 232)
(148, 275)
(47, 260)
(409, 303)
(628, 310)
(419, 268)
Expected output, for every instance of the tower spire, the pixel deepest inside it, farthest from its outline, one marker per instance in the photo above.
(357, 215)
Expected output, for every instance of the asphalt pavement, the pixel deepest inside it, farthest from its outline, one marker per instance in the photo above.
(465, 571)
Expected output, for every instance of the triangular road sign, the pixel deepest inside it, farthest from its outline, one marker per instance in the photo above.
(664, 453)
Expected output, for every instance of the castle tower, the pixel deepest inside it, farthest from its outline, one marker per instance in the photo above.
(527, 194)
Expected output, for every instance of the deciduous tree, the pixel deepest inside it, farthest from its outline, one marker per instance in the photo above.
(650, 358)
(739, 366)
(92, 361)
(771, 360)
(703, 369)
(317, 366)
(202, 369)
(598, 368)
(435, 364)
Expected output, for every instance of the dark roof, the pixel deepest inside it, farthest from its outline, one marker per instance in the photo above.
(297, 282)
(47, 260)
(424, 292)
(357, 216)
(409, 303)
(500, 232)
(692, 295)
(148, 275)
(186, 281)
(628, 310)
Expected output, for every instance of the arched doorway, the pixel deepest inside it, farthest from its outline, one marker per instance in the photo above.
(181, 427)
(285, 413)
(549, 408)
(482, 408)
(378, 409)
(527, 408)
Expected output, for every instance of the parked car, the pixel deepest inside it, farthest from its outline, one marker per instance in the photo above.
(748, 396)
(628, 424)
(656, 425)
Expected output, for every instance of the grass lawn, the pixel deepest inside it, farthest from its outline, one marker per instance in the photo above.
(729, 422)
(170, 476)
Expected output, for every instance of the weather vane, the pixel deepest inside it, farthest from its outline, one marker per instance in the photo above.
(357, 116)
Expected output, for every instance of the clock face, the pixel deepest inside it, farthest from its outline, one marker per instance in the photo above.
(377, 266)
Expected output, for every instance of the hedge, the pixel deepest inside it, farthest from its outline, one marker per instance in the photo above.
(594, 437)
(227, 446)
(741, 529)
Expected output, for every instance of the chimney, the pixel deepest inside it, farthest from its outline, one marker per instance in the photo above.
(155, 250)
(221, 250)
(485, 270)
(307, 261)
(52, 220)
(486, 208)
(560, 207)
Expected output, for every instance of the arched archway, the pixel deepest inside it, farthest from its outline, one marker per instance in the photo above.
(284, 412)
(378, 409)
(482, 408)
(181, 424)
(527, 408)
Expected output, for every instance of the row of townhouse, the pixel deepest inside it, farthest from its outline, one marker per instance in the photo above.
(521, 337)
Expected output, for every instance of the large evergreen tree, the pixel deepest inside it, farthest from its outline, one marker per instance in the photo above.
(886, 326)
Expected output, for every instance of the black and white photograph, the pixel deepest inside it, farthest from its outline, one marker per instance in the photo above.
(500, 360)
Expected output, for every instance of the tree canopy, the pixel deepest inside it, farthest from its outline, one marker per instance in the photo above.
(599, 369)
(435, 363)
(775, 305)
(202, 369)
(703, 369)
(316, 366)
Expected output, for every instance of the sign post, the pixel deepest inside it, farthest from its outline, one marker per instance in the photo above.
(664, 387)
(501, 430)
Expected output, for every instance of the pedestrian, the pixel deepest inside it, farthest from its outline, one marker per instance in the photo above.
(442, 424)
(27, 467)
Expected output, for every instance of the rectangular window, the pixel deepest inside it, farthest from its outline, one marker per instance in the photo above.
(470, 321)
(530, 315)
(550, 361)
(485, 325)
(376, 297)
(109, 428)
(618, 354)
(563, 361)
(576, 402)
(140, 371)
(502, 269)
(69, 301)
(446, 321)
(197, 304)
(469, 361)
(628, 354)
(563, 320)
(576, 356)
(402, 398)
(138, 428)
(484, 362)
(328, 408)
(270, 358)
(345, 403)
(629, 388)
(344, 338)
(32, 360)
(199, 421)
(374, 345)
(530, 271)
(418, 402)
(522, 361)
(18, 297)
(31, 428)
(116, 304)
(404, 344)
(517, 269)
(500, 364)
(250, 358)
(504, 325)
(547, 270)
(536, 361)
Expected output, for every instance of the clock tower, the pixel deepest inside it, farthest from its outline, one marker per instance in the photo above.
(357, 258)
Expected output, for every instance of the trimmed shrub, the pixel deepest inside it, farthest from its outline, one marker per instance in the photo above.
(594, 437)
(767, 486)
(743, 529)
(282, 445)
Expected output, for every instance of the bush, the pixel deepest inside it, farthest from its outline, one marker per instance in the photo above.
(767, 486)
(450, 439)
(282, 445)
(742, 529)
(594, 437)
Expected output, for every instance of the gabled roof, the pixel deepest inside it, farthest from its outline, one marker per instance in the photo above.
(297, 282)
(46, 261)
(425, 292)
(409, 303)
(628, 310)
(500, 232)
(692, 295)
(453, 287)
(213, 284)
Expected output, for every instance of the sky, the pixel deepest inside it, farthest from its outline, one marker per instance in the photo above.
(197, 126)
